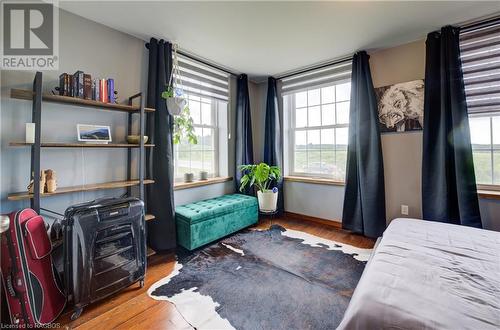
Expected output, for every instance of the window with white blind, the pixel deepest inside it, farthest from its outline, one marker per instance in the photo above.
(480, 56)
(207, 92)
(317, 119)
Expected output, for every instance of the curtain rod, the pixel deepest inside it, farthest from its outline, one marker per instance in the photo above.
(197, 59)
(314, 67)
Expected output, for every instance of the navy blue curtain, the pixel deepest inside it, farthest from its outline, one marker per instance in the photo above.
(448, 180)
(364, 200)
(273, 144)
(159, 127)
(244, 145)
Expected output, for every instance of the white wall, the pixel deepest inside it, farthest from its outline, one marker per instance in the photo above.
(103, 52)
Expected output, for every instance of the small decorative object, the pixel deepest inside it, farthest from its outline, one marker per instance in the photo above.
(188, 177)
(51, 181)
(203, 175)
(135, 139)
(262, 176)
(30, 132)
(177, 105)
(42, 183)
(401, 106)
(94, 133)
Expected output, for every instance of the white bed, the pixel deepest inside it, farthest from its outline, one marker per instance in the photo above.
(429, 275)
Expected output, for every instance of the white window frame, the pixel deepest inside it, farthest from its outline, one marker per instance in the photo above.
(215, 108)
(290, 144)
(490, 150)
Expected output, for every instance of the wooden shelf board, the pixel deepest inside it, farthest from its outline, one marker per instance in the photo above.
(79, 145)
(24, 94)
(149, 217)
(88, 187)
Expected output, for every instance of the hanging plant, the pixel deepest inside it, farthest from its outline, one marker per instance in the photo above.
(183, 127)
(177, 105)
(175, 102)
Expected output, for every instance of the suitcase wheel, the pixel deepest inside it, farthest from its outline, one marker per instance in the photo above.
(141, 283)
(76, 314)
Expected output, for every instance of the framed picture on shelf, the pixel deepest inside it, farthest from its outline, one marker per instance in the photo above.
(93, 133)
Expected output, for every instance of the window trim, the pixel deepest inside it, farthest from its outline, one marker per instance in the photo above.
(491, 150)
(292, 129)
(214, 103)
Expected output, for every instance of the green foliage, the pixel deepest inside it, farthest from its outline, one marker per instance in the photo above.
(168, 93)
(261, 175)
(183, 127)
(183, 123)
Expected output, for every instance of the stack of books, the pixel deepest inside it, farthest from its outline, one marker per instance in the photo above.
(82, 85)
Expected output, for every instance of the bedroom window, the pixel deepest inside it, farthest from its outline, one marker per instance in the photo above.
(480, 55)
(318, 131)
(207, 92)
(193, 158)
(485, 139)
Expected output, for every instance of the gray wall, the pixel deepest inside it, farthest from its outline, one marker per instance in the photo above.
(101, 51)
(402, 152)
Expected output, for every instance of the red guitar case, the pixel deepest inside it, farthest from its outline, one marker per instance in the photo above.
(34, 296)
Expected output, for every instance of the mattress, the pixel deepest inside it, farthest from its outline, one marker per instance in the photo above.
(429, 275)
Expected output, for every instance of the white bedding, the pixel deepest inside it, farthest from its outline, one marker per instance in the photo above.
(429, 275)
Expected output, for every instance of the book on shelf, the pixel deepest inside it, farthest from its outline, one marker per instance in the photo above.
(71, 86)
(64, 84)
(111, 90)
(87, 86)
(78, 84)
(103, 91)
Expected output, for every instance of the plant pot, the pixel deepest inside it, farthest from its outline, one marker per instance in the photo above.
(203, 175)
(188, 177)
(268, 200)
(175, 105)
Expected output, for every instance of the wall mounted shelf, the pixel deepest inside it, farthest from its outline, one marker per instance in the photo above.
(88, 187)
(80, 145)
(26, 94)
(37, 97)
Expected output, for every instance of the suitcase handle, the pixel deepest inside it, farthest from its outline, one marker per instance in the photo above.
(114, 211)
(10, 286)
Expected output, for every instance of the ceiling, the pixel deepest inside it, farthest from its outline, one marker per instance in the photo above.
(270, 38)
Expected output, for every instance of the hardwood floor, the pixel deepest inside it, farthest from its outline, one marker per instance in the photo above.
(132, 308)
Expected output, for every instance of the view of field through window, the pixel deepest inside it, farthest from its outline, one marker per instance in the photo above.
(193, 158)
(485, 139)
(320, 131)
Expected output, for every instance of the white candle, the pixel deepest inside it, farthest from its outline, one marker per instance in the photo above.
(30, 132)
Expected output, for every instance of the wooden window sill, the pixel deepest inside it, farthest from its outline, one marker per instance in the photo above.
(314, 180)
(200, 183)
(489, 194)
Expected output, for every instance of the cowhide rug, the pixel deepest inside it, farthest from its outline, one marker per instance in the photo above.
(270, 279)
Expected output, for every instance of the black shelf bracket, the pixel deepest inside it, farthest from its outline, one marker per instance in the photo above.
(36, 118)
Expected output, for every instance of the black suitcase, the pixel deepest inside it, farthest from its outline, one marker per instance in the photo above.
(104, 249)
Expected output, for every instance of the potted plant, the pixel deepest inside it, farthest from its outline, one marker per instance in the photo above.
(183, 122)
(174, 100)
(262, 176)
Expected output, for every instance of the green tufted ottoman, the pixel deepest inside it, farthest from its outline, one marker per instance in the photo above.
(205, 221)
